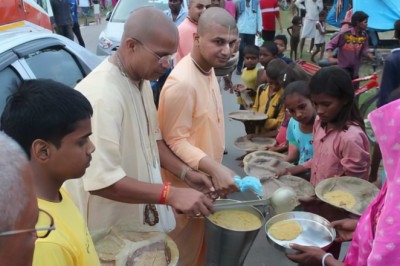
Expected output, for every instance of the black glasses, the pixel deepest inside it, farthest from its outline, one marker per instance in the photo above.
(44, 225)
(161, 59)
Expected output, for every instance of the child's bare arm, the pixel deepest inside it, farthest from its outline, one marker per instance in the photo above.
(294, 170)
(293, 154)
(289, 30)
(280, 149)
(320, 30)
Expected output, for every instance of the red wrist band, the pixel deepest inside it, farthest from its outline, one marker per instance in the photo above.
(164, 193)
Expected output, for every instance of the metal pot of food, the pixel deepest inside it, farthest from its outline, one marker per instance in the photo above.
(230, 233)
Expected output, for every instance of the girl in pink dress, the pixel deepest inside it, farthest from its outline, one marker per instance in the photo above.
(340, 144)
(376, 238)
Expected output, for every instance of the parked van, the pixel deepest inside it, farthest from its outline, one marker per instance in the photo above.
(37, 12)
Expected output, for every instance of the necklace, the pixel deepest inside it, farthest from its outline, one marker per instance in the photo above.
(192, 20)
(120, 66)
(211, 88)
(123, 73)
(200, 68)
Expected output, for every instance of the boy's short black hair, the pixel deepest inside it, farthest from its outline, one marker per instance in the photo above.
(296, 20)
(282, 38)
(252, 50)
(271, 47)
(322, 13)
(43, 109)
(358, 17)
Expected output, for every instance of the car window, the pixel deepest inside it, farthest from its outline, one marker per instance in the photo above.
(57, 64)
(127, 6)
(10, 80)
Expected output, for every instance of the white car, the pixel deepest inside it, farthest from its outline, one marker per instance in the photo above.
(28, 51)
(110, 37)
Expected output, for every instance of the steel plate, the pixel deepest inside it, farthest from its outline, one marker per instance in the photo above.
(315, 231)
(245, 115)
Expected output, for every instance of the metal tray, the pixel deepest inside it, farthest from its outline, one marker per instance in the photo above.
(245, 115)
(315, 231)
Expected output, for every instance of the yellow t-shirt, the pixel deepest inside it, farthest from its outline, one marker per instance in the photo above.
(272, 105)
(249, 78)
(70, 244)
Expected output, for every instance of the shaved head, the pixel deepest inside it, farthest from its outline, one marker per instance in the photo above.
(146, 24)
(215, 16)
(149, 39)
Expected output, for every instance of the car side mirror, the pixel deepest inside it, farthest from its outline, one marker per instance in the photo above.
(108, 15)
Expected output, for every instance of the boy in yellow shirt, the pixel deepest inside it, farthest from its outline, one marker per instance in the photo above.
(52, 123)
(269, 97)
(246, 92)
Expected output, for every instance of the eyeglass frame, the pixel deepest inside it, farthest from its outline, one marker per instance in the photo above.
(161, 59)
(21, 231)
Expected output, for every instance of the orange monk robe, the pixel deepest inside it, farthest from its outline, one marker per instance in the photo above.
(191, 121)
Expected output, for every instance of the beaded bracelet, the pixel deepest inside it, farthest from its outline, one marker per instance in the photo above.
(164, 193)
(324, 258)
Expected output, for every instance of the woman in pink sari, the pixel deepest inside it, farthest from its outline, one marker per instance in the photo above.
(376, 239)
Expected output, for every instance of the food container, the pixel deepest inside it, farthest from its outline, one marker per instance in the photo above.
(229, 247)
(315, 231)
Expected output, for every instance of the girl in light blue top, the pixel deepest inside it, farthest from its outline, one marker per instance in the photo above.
(299, 132)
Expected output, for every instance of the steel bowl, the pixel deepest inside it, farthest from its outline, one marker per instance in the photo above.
(316, 231)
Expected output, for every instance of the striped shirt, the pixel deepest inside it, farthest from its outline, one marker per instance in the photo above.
(269, 12)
